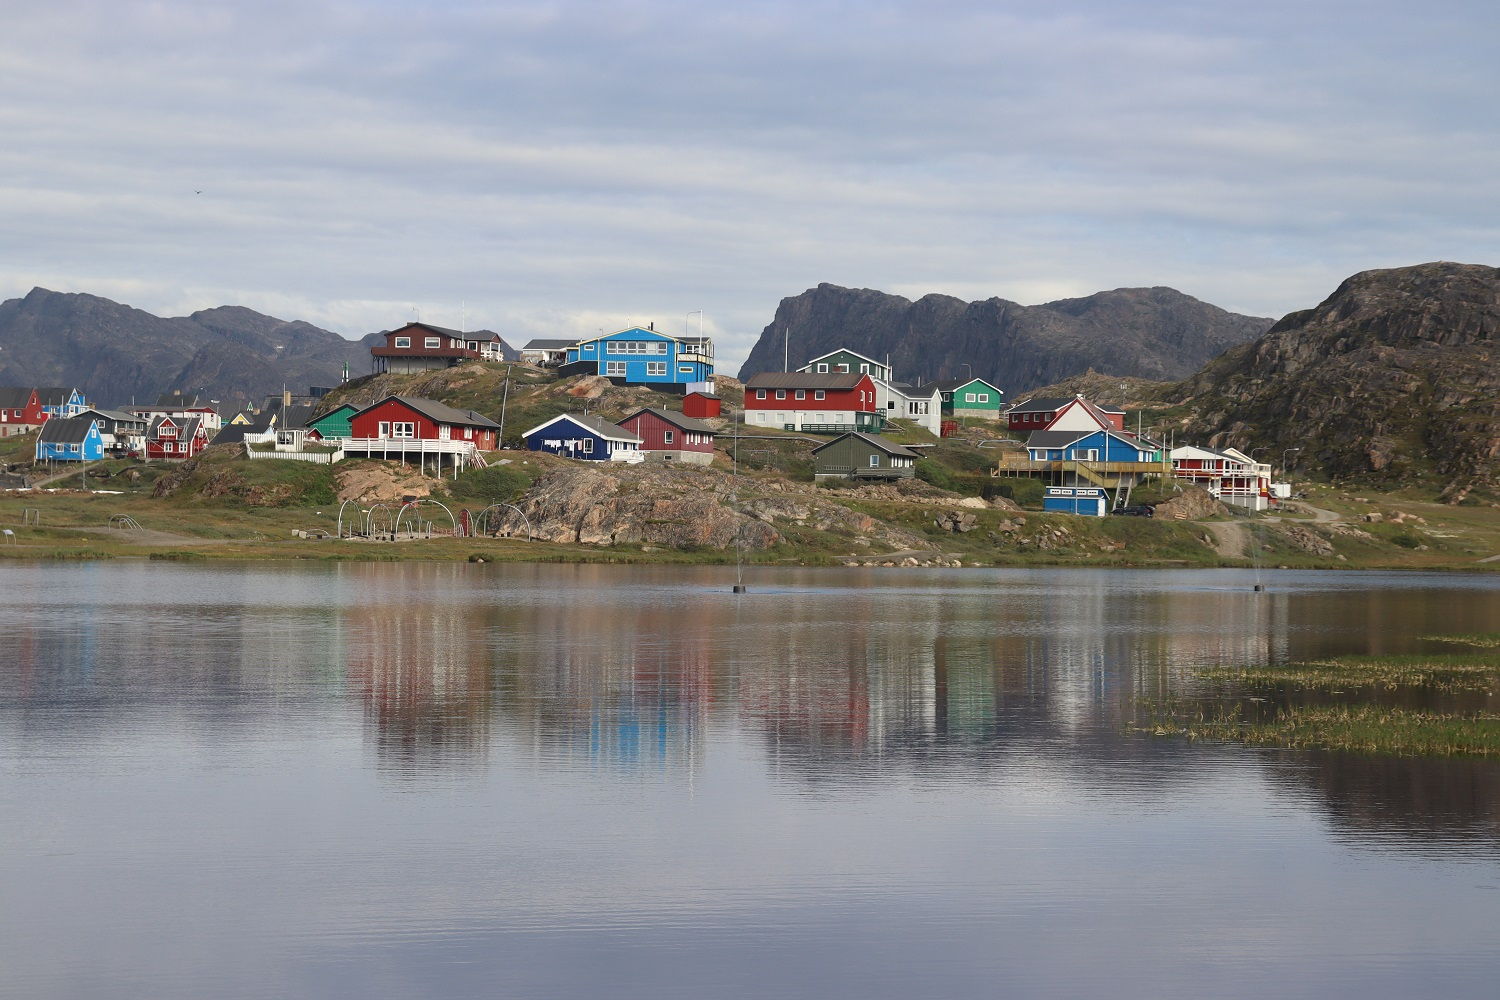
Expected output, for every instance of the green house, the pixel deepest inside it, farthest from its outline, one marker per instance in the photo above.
(971, 397)
(334, 425)
(853, 455)
(845, 361)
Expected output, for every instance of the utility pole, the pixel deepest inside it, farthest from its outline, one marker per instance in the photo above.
(504, 399)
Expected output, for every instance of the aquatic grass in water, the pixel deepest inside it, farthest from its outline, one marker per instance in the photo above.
(1486, 640)
(1357, 726)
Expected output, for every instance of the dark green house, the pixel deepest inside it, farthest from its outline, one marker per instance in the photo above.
(971, 397)
(334, 425)
(853, 455)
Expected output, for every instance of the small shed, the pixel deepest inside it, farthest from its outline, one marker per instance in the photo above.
(853, 455)
(702, 405)
(1090, 501)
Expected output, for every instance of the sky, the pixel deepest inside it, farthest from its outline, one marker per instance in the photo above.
(553, 170)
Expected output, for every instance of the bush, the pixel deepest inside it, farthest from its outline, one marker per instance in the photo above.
(495, 484)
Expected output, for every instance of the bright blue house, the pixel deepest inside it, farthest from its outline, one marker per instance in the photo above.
(581, 436)
(646, 357)
(70, 439)
(1091, 446)
(61, 401)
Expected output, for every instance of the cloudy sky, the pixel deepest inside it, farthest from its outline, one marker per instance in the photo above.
(554, 169)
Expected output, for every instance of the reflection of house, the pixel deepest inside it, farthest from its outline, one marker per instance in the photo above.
(1228, 474)
(175, 438)
(585, 437)
(69, 439)
(811, 401)
(671, 437)
(644, 357)
(862, 456)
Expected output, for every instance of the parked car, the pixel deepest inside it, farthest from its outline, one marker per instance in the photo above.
(1139, 510)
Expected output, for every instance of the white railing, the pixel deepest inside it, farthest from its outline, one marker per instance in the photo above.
(316, 457)
(407, 446)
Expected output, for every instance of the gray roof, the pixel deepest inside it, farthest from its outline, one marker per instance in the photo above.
(180, 399)
(14, 397)
(186, 430)
(676, 419)
(111, 419)
(1043, 405)
(950, 384)
(549, 345)
(441, 412)
(598, 425)
(1056, 439)
(72, 430)
(53, 395)
(804, 380)
(889, 447)
(232, 434)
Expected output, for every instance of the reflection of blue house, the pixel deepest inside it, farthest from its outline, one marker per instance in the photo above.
(586, 437)
(643, 357)
(70, 439)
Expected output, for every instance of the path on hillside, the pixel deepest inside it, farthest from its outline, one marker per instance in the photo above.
(1230, 537)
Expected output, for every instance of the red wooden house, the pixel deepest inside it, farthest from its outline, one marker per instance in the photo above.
(20, 410)
(1066, 414)
(175, 438)
(671, 437)
(418, 347)
(831, 403)
(421, 431)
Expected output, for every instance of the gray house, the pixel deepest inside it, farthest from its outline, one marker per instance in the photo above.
(862, 456)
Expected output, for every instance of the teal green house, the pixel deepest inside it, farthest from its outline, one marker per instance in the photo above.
(971, 397)
(334, 425)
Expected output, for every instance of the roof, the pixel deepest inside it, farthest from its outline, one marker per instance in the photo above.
(117, 416)
(1041, 405)
(804, 380)
(1061, 439)
(435, 329)
(953, 384)
(676, 419)
(342, 406)
(184, 400)
(232, 434)
(14, 397)
(600, 426)
(440, 413)
(54, 395)
(289, 417)
(845, 350)
(549, 345)
(880, 444)
(634, 329)
(71, 430)
(188, 428)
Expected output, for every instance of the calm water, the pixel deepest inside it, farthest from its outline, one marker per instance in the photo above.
(384, 781)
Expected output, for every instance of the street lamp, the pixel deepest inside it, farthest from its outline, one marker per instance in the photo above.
(1284, 469)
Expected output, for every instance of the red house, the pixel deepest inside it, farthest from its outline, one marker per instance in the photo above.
(424, 431)
(701, 405)
(20, 411)
(1069, 414)
(830, 403)
(175, 438)
(420, 347)
(671, 437)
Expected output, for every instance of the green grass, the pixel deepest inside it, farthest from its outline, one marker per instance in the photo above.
(1454, 672)
(1362, 729)
(1487, 640)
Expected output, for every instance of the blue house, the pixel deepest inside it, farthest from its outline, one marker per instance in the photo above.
(581, 436)
(1091, 446)
(60, 401)
(646, 357)
(70, 439)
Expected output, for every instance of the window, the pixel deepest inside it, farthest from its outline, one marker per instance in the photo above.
(615, 368)
(656, 367)
(385, 429)
(822, 366)
(667, 437)
(401, 342)
(864, 369)
(781, 394)
(968, 397)
(473, 345)
(588, 446)
(685, 369)
(819, 394)
(403, 429)
(801, 393)
(760, 394)
(874, 461)
(432, 342)
(842, 368)
(445, 432)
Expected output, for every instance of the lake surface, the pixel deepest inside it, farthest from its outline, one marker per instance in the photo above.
(390, 780)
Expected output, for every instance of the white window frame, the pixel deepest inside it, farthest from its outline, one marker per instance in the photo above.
(781, 394)
(615, 369)
(401, 342)
(819, 394)
(760, 394)
(668, 437)
(445, 432)
(405, 430)
(383, 429)
(656, 367)
(431, 343)
(588, 446)
(822, 367)
(801, 393)
(684, 369)
(968, 397)
(874, 461)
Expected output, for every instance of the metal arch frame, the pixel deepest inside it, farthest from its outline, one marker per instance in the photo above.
(415, 504)
(123, 522)
(339, 531)
(370, 517)
(480, 518)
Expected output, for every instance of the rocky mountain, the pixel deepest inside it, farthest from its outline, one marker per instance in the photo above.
(117, 354)
(1394, 376)
(1156, 333)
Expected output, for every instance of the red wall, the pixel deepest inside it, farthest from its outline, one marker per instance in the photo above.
(651, 429)
(696, 404)
(31, 413)
(367, 425)
(846, 399)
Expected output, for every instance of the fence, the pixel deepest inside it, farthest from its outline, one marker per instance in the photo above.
(316, 457)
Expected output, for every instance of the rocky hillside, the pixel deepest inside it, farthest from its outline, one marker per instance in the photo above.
(1393, 377)
(117, 353)
(1153, 333)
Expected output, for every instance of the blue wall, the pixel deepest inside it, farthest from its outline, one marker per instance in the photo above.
(600, 351)
(90, 450)
(1087, 500)
(566, 430)
(1110, 448)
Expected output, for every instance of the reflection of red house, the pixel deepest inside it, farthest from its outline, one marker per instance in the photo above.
(175, 438)
(415, 419)
(20, 411)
